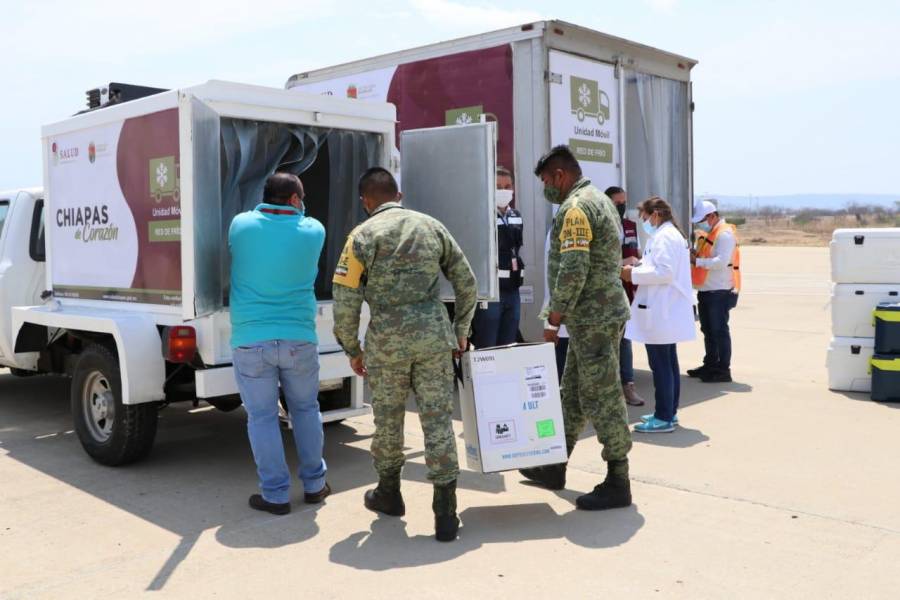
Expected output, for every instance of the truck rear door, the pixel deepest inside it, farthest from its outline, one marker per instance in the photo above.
(449, 173)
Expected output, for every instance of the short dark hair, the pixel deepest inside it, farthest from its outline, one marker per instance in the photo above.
(378, 183)
(612, 190)
(559, 157)
(504, 172)
(280, 187)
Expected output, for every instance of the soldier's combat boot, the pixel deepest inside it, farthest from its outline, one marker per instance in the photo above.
(552, 477)
(614, 492)
(446, 523)
(386, 498)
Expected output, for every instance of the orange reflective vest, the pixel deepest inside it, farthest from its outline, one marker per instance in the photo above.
(705, 246)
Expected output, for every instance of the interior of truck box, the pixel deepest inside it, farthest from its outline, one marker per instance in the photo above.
(328, 162)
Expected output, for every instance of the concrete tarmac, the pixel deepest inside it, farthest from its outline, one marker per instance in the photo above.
(773, 487)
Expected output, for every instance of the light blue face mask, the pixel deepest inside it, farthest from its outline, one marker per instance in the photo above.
(649, 228)
(703, 225)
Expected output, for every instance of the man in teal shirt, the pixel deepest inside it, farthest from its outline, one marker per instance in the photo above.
(275, 252)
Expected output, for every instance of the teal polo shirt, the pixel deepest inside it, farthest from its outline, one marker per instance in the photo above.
(274, 262)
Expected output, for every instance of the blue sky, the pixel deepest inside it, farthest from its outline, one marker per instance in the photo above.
(792, 97)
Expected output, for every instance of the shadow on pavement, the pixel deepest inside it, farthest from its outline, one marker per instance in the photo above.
(386, 545)
(865, 397)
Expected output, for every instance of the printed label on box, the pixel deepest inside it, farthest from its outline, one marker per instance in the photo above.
(503, 432)
(546, 428)
(484, 363)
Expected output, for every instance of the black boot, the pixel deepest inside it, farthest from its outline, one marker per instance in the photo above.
(552, 477)
(614, 492)
(386, 498)
(446, 523)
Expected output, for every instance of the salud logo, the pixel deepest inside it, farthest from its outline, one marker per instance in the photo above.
(588, 100)
(164, 179)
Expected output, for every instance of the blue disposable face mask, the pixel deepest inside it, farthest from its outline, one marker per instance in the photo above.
(703, 225)
(649, 228)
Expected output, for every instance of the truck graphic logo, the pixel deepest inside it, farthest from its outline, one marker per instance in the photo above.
(503, 432)
(588, 100)
(164, 179)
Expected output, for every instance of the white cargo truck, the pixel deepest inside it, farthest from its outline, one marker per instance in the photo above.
(130, 298)
(623, 107)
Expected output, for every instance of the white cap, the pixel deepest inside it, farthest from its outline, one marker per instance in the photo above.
(702, 210)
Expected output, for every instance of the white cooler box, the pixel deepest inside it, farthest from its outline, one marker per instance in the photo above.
(848, 364)
(852, 305)
(512, 415)
(865, 255)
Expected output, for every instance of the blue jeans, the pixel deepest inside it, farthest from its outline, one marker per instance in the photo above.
(258, 369)
(626, 361)
(713, 308)
(663, 360)
(497, 324)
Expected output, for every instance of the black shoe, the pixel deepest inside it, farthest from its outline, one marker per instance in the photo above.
(551, 477)
(614, 492)
(318, 496)
(698, 372)
(717, 376)
(257, 502)
(446, 523)
(386, 498)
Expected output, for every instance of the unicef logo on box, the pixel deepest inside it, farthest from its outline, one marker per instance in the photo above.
(502, 432)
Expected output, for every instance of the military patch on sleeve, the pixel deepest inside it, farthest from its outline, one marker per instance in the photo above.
(576, 234)
(349, 270)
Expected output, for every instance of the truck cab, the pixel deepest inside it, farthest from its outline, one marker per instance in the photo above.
(22, 273)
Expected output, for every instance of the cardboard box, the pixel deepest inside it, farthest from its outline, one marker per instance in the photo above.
(511, 409)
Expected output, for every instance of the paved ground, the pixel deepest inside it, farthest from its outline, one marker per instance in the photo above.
(773, 488)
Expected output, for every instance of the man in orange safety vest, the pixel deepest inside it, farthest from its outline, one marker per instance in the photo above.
(716, 263)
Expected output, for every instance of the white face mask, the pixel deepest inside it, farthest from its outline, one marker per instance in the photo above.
(504, 197)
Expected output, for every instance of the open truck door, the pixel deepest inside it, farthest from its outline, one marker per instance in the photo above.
(201, 226)
(449, 173)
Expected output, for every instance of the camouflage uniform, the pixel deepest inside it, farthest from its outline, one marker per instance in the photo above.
(583, 269)
(392, 261)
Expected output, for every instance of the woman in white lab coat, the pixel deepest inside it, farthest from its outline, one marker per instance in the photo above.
(662, 313)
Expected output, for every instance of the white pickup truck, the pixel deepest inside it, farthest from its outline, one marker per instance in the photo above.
(116, 272)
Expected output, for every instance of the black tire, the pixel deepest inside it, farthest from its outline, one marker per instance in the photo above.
(127, 434)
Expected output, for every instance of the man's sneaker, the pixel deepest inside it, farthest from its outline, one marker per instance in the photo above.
(318, 496)
(716, 376)
(631, 396)
(698, 372)
(257, 502)
(645, 418)
(654, 425)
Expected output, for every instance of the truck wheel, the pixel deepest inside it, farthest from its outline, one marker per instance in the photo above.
(111, 432)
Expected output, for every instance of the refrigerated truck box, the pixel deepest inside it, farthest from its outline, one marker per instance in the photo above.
(852, 305)
(866, 255)
(512, 415)
(624, 108)
(849, 361)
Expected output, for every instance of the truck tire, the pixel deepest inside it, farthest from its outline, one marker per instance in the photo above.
(112, 433)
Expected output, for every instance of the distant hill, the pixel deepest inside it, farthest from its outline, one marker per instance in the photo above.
(798, 201)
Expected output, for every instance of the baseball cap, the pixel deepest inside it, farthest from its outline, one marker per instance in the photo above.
(702, 210)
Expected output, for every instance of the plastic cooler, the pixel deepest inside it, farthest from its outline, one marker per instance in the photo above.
(887, 328)
(886, 378)
(848, 364)
(866, 255)
(852, 305)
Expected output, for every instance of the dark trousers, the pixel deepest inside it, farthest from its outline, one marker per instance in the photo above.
(497, 324)
(666, 379)
(562, 348)
(714, 308)
(626, 362)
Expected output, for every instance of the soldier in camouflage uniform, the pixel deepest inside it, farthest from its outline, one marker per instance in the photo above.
(587, 295)
(392, 261)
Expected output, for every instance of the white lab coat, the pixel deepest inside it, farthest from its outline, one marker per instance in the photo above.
(662, 311)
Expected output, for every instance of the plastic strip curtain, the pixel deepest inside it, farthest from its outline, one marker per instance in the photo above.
(656, 117)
